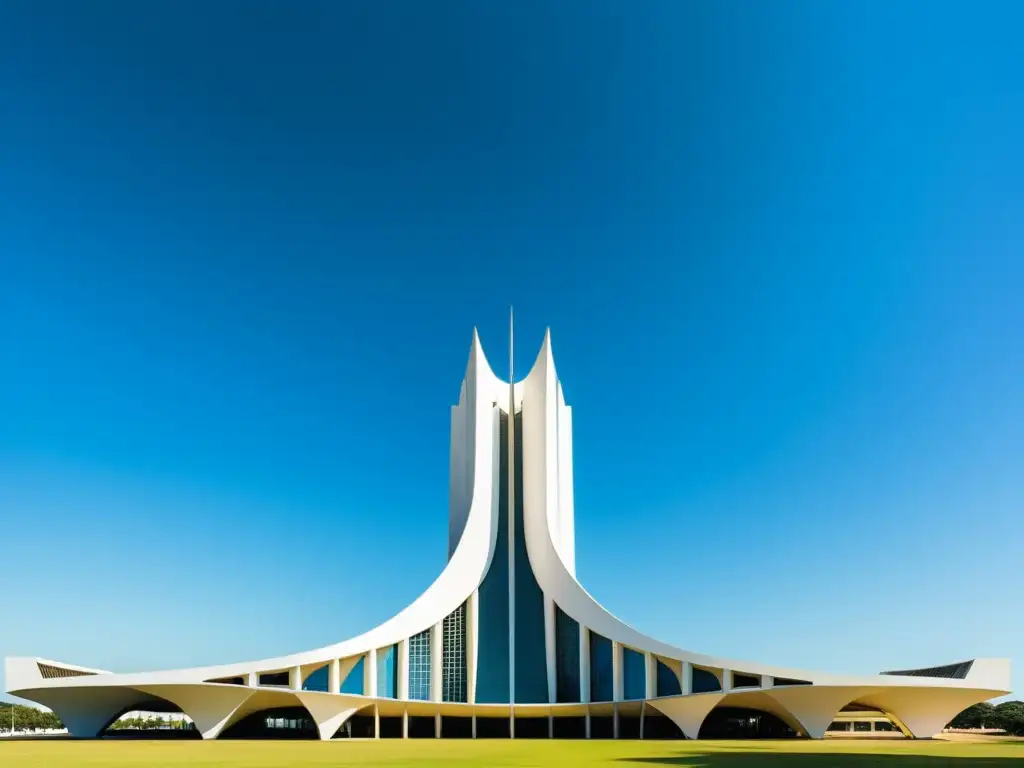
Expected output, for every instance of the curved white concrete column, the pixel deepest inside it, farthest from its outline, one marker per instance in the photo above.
(328, 711)
(725, 678)
(403, 669)
(650, 678)
(210, 706)
(813, 706)
(924, 711)
(921, 704)
(86, 712)
(436, 662)
(370, 673)
(334, 677)
(688, 712)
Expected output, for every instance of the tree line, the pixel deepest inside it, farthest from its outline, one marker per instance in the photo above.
(1007, 716)
(32, 719)
(27, 718)
(149, 723)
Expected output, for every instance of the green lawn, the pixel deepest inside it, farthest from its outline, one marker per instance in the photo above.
(426, 753)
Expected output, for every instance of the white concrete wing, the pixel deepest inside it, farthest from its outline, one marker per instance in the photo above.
(216, 697)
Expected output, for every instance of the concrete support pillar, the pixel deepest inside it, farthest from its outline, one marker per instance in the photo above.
(252, 679)
(370, 673)
(726, 680)
(437, 725)
(549, 649)
(585, 666)
(436, 649)
(688, 712)
(405, 723)
(511, 723)
(551, 726)
(376, 722)
(686, 684)
(767, 681)
(295, 678)
(403, 670)
(334, 676)
(615, 721)
(474, 726)
(586, 726)
(650, 676)
(643, 710)
(617, 679)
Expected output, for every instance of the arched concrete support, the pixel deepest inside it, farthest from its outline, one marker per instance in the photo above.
(688, 712)
(211, 707)
(329, 711)
(815, 706)
(760, 700)
(87, 710)
(924, 711)
(546, 497)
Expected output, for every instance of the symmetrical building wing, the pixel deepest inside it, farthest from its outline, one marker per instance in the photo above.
(506, 639)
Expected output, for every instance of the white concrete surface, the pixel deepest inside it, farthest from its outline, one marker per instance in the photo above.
(90, 699)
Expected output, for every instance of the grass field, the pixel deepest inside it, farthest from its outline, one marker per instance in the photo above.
(429, 753)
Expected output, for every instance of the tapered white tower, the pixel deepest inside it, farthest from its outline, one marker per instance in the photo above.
(506, 641)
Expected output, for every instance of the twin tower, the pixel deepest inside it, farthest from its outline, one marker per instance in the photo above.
(506, 641)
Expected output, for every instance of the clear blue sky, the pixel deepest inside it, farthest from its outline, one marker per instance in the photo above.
(780, 247)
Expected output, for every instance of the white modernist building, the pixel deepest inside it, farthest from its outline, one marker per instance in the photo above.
(506, 642)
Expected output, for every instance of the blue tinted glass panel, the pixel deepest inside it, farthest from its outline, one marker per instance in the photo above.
(705, 681)
(633, 675)
(601, 685)
(567, 657)
(387, 672)
(668, 681)
(317, 680)
(353, 682)
(531, 656)
(492, 650)
(419, 666)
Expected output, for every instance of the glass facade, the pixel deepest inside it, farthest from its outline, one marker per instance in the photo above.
(634, 675)
(419, 666)
(492, 685)
(317, 680)
(782, 681)
(274, 678)
(705, 681)
(387, 672)
(601, 679)
(531, 657)
(492, 630)
(668, 681)
(745, 681)
(453, 659)
(353, 682)
(567, 658)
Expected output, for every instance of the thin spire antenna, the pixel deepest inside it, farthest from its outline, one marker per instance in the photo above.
(511, 359)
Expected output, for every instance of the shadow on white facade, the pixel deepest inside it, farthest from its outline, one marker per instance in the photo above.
(506, 641)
